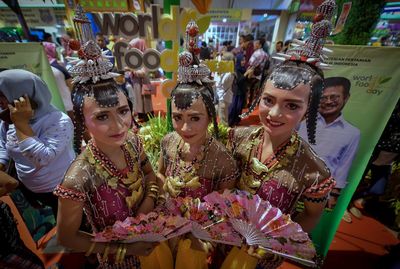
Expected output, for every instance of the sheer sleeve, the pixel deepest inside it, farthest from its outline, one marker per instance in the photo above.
(76, 180)
(224, 169)
(319, 179)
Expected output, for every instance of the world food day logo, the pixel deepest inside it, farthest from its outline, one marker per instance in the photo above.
(371, 84)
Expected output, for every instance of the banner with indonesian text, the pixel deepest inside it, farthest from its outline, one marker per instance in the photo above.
(374, 74)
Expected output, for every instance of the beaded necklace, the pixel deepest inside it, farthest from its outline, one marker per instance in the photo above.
(127, 178)
(259, 172)
(186, 174)
(287, 147)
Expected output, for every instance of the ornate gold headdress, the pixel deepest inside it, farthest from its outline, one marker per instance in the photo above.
(190, 69)
(312, 50)
(92, 63)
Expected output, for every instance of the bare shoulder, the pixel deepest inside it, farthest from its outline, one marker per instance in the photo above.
(316, 167)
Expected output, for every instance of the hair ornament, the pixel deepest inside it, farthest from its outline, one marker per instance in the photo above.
(312, 50)
(91, 63)
(190, 69)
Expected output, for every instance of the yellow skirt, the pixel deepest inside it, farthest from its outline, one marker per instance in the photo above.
(160, 258)
(239, 259)
(187, 257)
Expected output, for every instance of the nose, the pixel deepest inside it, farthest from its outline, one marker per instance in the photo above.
(275, 111)
(117, 123)
(186, 127)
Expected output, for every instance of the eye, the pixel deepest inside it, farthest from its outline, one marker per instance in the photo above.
(267, 100)
(102, 117)
(292, 106)
(195, 118)
(177, 118)
(124, 111)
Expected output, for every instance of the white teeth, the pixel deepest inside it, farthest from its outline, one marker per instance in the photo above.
(274, 123)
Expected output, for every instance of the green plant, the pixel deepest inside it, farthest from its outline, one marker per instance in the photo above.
(152, 134)
(360, 23)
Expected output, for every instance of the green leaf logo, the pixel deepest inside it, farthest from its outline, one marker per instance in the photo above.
(384, 80)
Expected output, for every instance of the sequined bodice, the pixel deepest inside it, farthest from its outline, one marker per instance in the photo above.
(108, 205)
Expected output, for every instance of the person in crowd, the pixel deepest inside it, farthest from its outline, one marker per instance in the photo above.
(278, 46)
(205, 52)
(111, 179)
(336, 139)
(102, 43)
(239, 92)
(248, 48)
(278, 49)
(62, 76)
(47, 37)
(193, 162)
(384, 156)
(36, 136)
(143, 101)
(276, 163)
(13, 251)
(258, 60)
(224, 90)
(287, 45)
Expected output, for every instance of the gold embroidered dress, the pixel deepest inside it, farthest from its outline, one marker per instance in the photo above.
(213, 166)
(293, 172)
(108, 195)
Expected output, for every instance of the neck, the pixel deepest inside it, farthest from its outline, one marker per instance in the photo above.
(195, 147)
(274, 142)
(112, 152)
(331, 118)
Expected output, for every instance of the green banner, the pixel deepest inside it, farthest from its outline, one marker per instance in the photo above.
(31, 57)
(375, 80)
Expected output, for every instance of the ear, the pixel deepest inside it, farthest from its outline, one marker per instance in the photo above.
(346, 99)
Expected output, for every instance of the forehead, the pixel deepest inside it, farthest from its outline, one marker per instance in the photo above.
(198, 106)
(301, 91)
(333, 90)
(90, 103)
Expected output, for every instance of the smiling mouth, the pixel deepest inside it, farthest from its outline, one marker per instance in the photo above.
(274, 123)
(188, 136)
(117, 135)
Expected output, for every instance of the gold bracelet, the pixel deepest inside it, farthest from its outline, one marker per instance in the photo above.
(122, 257)
(105, 254)
(90, 250)
(118, 254)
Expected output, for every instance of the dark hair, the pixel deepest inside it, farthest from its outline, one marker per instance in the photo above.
(105, 93)
(261, 40)
(185, 94)
(287, 42)
(280, 42)
(339, 81)
(203, 44)
(248, 37)
(287, 76)
(100, 35)
(46, 36)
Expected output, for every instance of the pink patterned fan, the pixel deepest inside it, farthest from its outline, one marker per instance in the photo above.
(206, 225)
(263, 225)
(152, 227)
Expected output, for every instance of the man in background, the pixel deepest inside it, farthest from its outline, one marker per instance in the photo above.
(336, 139)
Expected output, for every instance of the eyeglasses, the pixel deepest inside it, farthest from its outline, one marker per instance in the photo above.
(333, 98)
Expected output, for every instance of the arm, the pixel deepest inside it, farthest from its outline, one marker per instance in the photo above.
(68, 234)
(315, 198)
(3, 151)
(150, 178)
(228, 170)
(309, 218)
(42, 150)
(7, 183)
(342, 172)
(71, 201)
